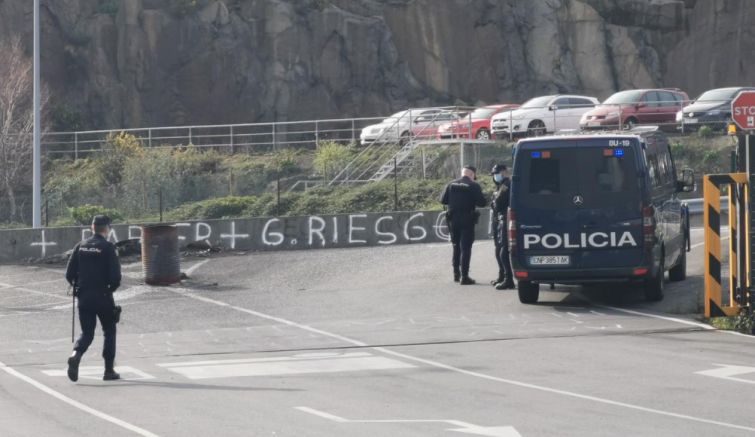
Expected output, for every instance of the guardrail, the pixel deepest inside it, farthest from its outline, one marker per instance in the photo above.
(696, 205)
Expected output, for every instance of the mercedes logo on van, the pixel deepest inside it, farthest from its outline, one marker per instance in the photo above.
(578, 200)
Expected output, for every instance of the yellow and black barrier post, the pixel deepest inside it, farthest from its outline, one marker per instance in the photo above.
(714, 304)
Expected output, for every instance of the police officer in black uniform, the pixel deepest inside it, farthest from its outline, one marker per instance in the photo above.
(94, 269)
(500, 207)
(462, 197)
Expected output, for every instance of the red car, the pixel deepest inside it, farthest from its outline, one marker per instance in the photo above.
(479, 120)
(630, 108)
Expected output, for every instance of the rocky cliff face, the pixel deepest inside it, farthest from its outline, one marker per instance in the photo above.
(134, 63)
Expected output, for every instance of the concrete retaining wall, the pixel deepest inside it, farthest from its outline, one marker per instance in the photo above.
(258, 234)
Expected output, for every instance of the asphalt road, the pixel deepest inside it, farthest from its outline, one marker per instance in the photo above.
(371, 342)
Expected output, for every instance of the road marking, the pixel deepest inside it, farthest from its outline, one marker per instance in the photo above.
(95, 372)
(729, 372)
(187, 293)
(467, 428)
(297, 365)
(700, 244)
(80, 406)
(193, 268)
(41, 293)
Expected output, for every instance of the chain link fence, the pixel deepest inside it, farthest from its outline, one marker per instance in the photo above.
(269, 170)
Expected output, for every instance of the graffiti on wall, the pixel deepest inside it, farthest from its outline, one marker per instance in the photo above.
(348, 230)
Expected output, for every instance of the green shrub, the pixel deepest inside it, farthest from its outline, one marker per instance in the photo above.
(705, 132)
(331, 158)
(109, 7)
(223, 207)
(83, 215)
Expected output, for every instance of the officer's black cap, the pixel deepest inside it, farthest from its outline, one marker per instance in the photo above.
(101, 220)
(498, 168)
(469, 167)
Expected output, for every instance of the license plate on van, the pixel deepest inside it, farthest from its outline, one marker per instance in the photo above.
(550, 260)
(593, 124)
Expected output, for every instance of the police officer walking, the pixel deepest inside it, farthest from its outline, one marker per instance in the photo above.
(462, 197)
(500, 207)
(94, 269)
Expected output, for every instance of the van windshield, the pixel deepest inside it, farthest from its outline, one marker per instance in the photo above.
(553, 172)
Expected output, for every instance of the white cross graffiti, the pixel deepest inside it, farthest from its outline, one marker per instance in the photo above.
(233, 235)
(44, 245)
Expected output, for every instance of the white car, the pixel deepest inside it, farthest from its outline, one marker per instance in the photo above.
(417, 123)
(542, 115)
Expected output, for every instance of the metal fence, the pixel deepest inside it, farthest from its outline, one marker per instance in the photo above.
(429, 144)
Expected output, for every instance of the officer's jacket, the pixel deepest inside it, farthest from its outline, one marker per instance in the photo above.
(94, 266)
(502, 198)
(463, 195)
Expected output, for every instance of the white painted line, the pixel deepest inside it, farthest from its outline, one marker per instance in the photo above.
(466, 428)
(133, 428)
(467, 372)
(348, 363)
(729, 372)
(193, 268)
(701, 244)
(656, 316)
(95, 372)
(41, 293)
(266, 360)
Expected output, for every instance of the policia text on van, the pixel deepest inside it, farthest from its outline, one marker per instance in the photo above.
(597, 208)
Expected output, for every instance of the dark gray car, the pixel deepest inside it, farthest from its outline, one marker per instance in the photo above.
(712, 109)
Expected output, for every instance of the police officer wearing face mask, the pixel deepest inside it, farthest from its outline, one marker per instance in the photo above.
(462, 197)
(95, 270)
(500, 207)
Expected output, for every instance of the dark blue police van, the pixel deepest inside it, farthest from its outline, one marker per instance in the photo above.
(601, 208)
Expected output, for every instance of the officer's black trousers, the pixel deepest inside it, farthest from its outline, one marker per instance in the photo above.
(502, 251)
(462, 238)
(88, 318)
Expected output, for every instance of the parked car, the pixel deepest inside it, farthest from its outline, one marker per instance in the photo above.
(541, 115)
(474, 125)
(422, 123)
(592, 209)
(627, 109)
(712, 108)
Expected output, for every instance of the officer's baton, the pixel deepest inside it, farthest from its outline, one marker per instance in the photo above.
(72, 290)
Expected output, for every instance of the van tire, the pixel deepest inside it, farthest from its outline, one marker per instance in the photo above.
(654, 287)
(529, 293)
(679, 271)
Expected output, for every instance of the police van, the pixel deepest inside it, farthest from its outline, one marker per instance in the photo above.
(598, 208)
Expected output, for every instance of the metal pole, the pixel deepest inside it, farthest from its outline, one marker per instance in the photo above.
(511, 125)
(275, 140)
(150, 138)
(395, 184)
(233, 149)
(353, 133)
(317, 132)
(411, 129)
(621, 121)
(424, 168)
(461, 159)
(278, 187)
(37, 159)
(681, 109)
(76, 145)
(191, 140)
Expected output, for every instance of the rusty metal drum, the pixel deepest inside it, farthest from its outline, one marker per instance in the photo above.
(161, 259)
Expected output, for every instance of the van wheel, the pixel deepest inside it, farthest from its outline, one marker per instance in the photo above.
(654, 287)
(528, 292)
(679, 271)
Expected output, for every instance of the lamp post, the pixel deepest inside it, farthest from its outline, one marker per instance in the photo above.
(37, 172)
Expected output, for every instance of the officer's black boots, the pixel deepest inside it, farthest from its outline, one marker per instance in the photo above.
(110, 374)
(457, 275)
(507, 284)
(466, 280)
(73, 366)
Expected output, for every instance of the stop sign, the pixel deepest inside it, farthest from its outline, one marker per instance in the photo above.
(743, 110)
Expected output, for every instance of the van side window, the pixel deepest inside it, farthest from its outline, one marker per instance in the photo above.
(545, 176)
(653, 171)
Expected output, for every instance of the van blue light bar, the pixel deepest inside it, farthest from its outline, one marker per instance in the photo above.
(619, 152)
(536, 154)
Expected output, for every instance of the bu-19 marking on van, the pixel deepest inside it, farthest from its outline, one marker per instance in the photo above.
(597, 208)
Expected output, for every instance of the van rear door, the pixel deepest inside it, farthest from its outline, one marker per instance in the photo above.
(611, 212)
(578, 204)
(546, 181)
